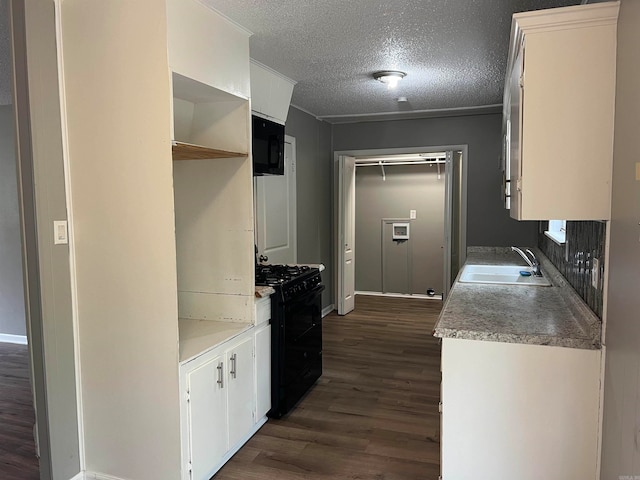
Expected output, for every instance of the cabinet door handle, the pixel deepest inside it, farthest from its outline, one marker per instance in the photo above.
(233, 366)
(220, 375)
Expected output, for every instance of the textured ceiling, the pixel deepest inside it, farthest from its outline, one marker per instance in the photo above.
(453, 51)
(5, 63)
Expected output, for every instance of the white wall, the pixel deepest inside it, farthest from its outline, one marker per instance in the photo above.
(118, 118)
(12, 319)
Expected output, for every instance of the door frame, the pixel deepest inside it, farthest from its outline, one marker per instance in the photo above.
(345, 303)
(48, 269)
(28, 234)
(462, 247)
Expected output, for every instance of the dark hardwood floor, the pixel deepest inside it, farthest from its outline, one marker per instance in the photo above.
(374, 412)
(372, 415)
(17, 448)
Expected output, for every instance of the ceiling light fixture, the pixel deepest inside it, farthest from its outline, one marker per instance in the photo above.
(389, 77)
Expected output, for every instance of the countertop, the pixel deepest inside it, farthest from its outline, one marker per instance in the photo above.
(200, 336)
(264, 291)
(554, 315)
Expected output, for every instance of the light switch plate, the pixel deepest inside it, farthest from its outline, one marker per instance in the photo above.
(60, 236)
(412, 214)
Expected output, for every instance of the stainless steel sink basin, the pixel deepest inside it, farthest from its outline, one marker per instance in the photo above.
(501, 274)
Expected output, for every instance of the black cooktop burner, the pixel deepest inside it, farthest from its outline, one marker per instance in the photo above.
(279, 274)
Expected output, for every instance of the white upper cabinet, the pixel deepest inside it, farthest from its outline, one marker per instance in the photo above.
(559, 112)
(206, 47)
(209, 64)
(270, 92)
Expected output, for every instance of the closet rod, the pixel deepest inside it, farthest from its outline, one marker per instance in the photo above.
(385, 163)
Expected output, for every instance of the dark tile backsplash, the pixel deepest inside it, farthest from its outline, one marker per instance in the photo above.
(585, 241)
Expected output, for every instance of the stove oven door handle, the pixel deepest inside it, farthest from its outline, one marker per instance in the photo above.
(308, 295)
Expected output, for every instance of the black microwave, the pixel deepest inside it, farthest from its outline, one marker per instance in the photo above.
(268, 147)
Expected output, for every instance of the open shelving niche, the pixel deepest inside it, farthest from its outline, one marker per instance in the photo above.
(213, 212)
(208, 123)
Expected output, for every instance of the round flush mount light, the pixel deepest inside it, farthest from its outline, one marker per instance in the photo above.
(389, 77)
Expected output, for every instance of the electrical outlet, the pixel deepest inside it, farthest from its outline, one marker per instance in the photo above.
(412, 214)
(595, 273)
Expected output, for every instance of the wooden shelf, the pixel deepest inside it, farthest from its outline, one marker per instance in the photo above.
(188, 151)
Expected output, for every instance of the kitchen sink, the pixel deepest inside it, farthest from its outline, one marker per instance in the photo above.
(501, 274)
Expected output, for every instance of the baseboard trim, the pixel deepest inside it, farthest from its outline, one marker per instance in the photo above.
(227, 457)
(401, 295)
(327, 310)
(19, 339)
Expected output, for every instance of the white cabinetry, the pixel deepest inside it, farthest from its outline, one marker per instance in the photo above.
(241, 393)
(263, 357)
(218, 406)
(208, 68)
(206, 418)
(208, 48)
(558, 112)
(225, 391)
(270, 92)
(519, 411)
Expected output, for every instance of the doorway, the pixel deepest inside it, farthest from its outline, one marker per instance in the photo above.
(275, 211)
(421, 192)
(19, 450)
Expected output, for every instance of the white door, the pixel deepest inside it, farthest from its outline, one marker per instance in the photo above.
(276, 210)
(207, 409)
(346, 234)
(241, 396)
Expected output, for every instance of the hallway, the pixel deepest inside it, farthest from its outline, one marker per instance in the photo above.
(374, 412)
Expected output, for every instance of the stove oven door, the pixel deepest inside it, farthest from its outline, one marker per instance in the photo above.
(302, 345)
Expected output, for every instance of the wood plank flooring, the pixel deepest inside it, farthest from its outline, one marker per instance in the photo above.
(374, 412)
(17, 448)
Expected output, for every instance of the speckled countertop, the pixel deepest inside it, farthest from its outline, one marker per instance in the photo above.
(263, 291)
(554, 315)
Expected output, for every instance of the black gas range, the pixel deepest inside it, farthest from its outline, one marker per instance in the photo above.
(296, 332)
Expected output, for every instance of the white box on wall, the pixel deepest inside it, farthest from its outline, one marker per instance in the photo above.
(401, 231)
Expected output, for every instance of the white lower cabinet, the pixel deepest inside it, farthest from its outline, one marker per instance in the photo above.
(519, 411)
(225, 396)
(207, 420)
(263, 370)
(241, 393)
(218, 405)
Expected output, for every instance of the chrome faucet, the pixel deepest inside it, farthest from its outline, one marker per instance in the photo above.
(533, 262)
